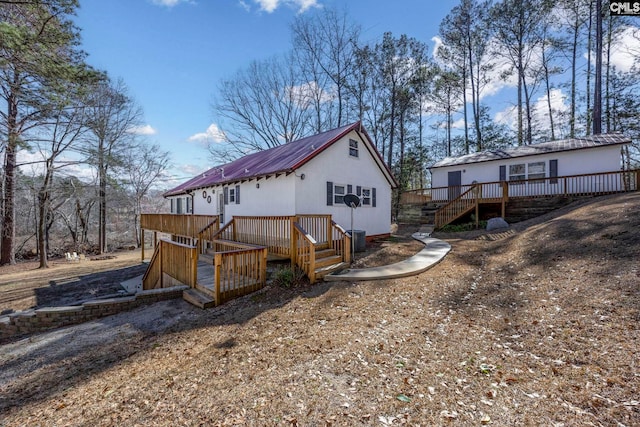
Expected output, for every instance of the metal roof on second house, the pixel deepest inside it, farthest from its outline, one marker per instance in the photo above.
(531, 150)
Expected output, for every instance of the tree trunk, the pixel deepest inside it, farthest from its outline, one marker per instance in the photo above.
(43, 207)
(597, 90)
(589, 37)
(7, 255)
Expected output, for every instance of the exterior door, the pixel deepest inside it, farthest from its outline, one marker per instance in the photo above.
(221, 207)
(454, 182)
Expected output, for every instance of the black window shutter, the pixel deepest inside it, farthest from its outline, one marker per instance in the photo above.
(329, 193)
(503, 173)
(226, 195)
(358, 190)
(553, 171)
(173, 206)
(373, 197)
(237, 194)
(349, 189)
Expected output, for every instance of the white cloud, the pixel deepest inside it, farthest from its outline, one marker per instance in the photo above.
(624, 51)
(540, 109)
(212, 134)
(32, 164)
(168, 3)
(143, 130)
(437, 43)
(306, 93)
(270, 6)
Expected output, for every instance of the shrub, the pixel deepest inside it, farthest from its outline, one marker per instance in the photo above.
(286, 277)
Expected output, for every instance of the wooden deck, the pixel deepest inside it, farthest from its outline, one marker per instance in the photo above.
(455, 202)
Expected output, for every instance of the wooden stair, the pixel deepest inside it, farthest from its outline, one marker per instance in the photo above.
(198, 298)
(328, 262)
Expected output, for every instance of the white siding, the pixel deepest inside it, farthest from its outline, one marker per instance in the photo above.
(335, 165)
(577, 162)
(206, 205)
(290, 195)
(266, 197)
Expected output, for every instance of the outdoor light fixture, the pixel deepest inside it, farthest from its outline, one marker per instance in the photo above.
(257, 185)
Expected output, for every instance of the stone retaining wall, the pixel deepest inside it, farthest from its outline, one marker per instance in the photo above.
(31, 321)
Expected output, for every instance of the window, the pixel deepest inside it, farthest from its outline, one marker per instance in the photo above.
(232, 195)
(173, 206)
(189, 205)
(517, 172)
(536, 170)
(179, 205)
(353, 148)
(338, 194)
(366, 197)
(553, 171)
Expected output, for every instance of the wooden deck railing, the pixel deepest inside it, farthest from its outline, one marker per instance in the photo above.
(568, 185)
(179, 225)
(173, 261)
(270, 231)
(502, 191)
(239, 269)
(459, 206)
(341, 242)
(305, 251)
(206, 235)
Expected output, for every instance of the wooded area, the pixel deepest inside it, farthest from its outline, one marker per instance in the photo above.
(88, 172)
(419, 105)
(77, 129)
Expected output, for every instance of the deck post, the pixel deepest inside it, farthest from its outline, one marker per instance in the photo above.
(263, 267)
(477, 191)
(329, 232)
(142, 242)
(217, 267)
(194, 266)
(161, 269)
(293, 241)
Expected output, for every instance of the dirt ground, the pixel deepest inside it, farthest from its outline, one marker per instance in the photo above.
(24, 285)
(536, 325)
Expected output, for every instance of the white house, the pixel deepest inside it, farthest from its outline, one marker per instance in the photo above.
(543, 162)
(307, 176)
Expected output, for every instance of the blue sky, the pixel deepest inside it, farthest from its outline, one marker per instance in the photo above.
(172, 53)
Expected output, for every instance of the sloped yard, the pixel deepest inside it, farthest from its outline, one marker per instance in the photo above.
(536, 326)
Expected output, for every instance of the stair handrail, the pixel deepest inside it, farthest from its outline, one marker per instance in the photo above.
(201, 237)
(217, 234)
(457, 207)
(153, 265)
(305, 247)
(344, 242)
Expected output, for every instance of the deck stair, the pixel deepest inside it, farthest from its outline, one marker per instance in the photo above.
(198, 298)
(327, 261)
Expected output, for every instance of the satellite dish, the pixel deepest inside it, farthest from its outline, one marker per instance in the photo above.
(351, 200)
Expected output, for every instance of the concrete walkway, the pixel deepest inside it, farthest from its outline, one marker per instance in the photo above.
(433, 252)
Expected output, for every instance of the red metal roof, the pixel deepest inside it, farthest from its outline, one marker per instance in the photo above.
(281, 159)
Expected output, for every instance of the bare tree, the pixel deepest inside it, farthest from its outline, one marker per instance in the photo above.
(143, 165)
(261, 107)
(111, 116)
(466, 34)
(326, 42)
(56, 140)
(517, 26)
